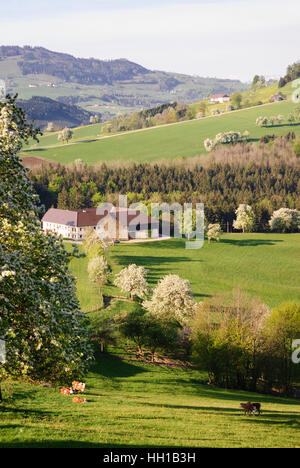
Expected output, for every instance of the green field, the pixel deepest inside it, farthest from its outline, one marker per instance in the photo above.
(132, 404)
(184, 139)
(264, 265)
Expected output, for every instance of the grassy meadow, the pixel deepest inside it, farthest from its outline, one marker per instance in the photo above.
(264, 265)
(132, 404)
(184, 139)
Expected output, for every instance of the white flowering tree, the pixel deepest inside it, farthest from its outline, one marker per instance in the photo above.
(285, 220)
(172, 299)
(99, 273)
(40, 319)
(214, 231)
(244, 218)
(132, 280)
(65, 135)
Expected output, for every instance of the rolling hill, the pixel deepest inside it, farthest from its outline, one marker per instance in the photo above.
(184, 139)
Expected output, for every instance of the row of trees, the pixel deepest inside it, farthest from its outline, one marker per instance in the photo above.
(160, 115)
(242, 344)
(279, 119)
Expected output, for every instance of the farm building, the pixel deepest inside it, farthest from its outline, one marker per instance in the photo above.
(276, 98)
(116, 223)
(219, 98)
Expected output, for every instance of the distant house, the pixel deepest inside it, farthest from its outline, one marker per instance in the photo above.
(219, 98)
(119, 223)
(276, 98)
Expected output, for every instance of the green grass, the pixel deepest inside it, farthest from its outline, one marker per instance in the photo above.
(178, 140)
(264, 265)
(87, 292)
(139, 405)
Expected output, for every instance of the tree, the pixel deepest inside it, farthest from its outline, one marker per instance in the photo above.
(99, 273)
(132, 279)
(65, 135)
(282, 327)
(93, 244)
(172, 299)
(214, 231)
(244, 218)
(103, 331)
(228, 337)
(236, 99)
(149, 331)
(46, 334)
(285, 220)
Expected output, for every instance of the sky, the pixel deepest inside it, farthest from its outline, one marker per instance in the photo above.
(217, 38)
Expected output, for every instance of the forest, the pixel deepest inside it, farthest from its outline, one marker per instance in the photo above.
(265, 176)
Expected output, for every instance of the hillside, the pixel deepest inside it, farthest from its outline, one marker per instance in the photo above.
(102, 86)
(184, 139)
(133, 404)
(44, 110)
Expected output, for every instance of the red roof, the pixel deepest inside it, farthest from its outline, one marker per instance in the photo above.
(89, 217)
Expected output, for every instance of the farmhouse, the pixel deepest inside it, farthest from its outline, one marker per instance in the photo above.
(219, 98)
(276, 98)
(116, 223)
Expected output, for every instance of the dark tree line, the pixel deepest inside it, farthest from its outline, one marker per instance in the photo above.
(265, 177)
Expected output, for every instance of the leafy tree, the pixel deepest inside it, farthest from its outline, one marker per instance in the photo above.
(172, 299)
(149, 331)
(103, 331)
(236, 99)
(244, 218)
(99, 273)
(132, 279)
(227, 339)
(46, 334)
(285, 220)
(65, 135)
(282, 327)
(214, 231)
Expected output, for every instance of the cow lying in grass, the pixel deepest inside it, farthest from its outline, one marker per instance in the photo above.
(76, 399)
(78, 386)
(251, 408)
(66, 390)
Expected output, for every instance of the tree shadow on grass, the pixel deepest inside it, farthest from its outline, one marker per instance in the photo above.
(114, 367)
(250, 242)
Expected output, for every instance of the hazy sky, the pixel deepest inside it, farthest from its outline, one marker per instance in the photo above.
(224, 38)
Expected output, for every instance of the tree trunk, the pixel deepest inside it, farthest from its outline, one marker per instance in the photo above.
(102, 346)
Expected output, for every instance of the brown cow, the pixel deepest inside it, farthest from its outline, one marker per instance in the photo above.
(251, 408)
(257, 408)
(78, 386)
(76, 399)
(66, 391)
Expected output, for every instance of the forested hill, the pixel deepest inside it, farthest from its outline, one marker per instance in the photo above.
(38, 60)
(44, 110)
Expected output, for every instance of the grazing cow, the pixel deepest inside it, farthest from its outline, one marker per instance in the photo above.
(257, 408)
(76, 399)
(251, 408)
(247, 407)
(78, 386)
(66, 391)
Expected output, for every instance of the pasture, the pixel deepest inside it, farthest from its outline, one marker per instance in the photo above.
(184, 139)
(264, 265)
(131, 404)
